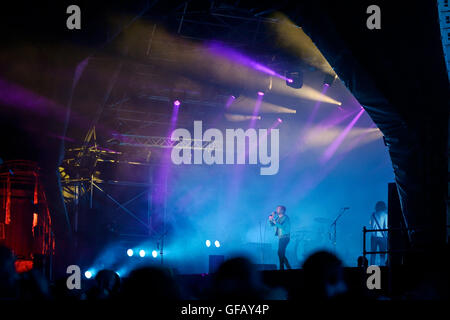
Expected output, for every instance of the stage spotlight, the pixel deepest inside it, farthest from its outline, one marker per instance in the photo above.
(294, 79)
(208, 243)
(279, 120)
(88, 274)
(154, 253)
(176, 96)
(130, 252)
(142, 253)
(329, 80)
(235, 92)
(217, 243)
(260, 93)
(230, 101)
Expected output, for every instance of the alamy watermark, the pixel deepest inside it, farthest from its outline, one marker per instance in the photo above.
(229, 148)
(374, 280)
(373, 22)
(74, 20)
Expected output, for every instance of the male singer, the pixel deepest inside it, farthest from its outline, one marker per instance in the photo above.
(282, 223)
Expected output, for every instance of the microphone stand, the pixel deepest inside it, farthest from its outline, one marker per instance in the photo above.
(160, 246)
(333, 226)
(261, 251)
(262, 237)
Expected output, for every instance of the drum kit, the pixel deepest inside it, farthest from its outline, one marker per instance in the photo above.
(305, 241)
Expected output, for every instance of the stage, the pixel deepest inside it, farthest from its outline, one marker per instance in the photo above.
(176, 142)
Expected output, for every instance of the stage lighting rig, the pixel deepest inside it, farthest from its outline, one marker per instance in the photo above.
(329, 80)
(294, 79)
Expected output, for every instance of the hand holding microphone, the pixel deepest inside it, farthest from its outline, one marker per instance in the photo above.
(272, 216)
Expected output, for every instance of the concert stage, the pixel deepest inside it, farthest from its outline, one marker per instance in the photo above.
(142, 136)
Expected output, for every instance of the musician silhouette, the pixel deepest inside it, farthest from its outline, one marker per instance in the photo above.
(282, 223)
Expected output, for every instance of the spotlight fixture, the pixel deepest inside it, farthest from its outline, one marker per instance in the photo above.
(230, 101)
(329, 80)
(142, 253)
(154, 253)
(235, 92)
(208, 243)
(217, 243)
(279, 120)
(294, 79)
(260, 93)
(176, 96)
(130, 252)
(88, 274)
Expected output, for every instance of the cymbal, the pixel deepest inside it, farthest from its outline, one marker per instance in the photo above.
(302, 231)
(322, 220)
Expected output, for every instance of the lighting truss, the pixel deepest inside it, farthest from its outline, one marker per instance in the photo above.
(159, 142)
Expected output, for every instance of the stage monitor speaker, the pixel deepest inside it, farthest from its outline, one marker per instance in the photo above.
(214, 262)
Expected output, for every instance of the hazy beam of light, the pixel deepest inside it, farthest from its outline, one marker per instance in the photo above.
(326, 130)
(311, 119)
(333, 121)
(319, 137)
(312, 180)
(263, 136)
(305, 92)
(16, 96)
(173, 119)
(245, 105)
(294, 39)
(336, 143)
(230, 101)
(316, 108)
(239, 117)
(181, 56)
(368, 135)
(256, 110)
(220, 115)
(163, 174)
(235, 56)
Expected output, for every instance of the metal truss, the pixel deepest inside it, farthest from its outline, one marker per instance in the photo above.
(161, 142)
(78, 173)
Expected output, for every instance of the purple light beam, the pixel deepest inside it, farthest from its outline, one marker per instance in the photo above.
(329, 152)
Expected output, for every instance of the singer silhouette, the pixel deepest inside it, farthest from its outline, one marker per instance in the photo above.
(281, 221)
